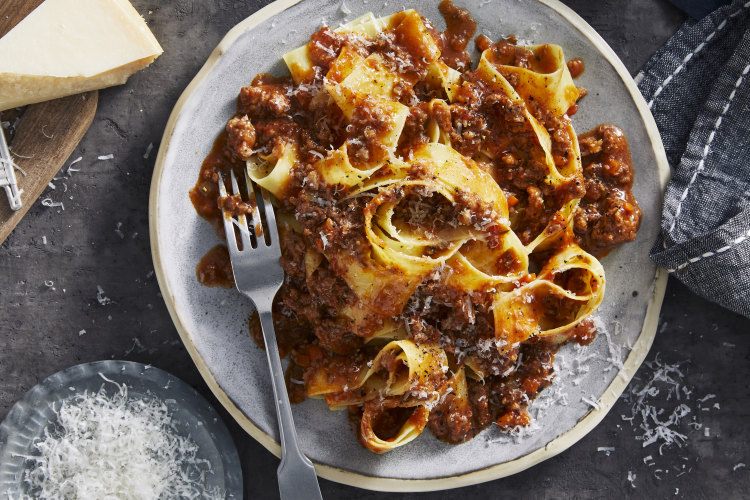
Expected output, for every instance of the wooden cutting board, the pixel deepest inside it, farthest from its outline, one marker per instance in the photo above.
(46, 134)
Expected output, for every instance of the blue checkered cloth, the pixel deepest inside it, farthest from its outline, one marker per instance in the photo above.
(698, 89)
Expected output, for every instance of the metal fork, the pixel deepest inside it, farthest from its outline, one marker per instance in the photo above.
(258, 275)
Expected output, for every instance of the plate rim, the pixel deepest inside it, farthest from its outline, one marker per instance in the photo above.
(559, 444)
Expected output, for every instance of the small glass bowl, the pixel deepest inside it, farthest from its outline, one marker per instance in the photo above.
(191, 415)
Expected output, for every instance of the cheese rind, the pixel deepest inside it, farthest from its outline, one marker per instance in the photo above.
(69, 46)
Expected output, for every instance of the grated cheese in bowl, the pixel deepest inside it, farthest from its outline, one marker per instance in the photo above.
(107, 444)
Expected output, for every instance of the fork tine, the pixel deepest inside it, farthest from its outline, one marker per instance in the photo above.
(228, 225)
(257, 228)
(273, 231)
(245, 236)
(270, 230)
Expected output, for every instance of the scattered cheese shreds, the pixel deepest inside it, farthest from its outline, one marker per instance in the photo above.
(590, 402)
(70, 167)
(654, 426)
(631, 478)
(103, 299)
(47, 202)
(105, 157)
(738, 466)
(148, 150)
(116, 446)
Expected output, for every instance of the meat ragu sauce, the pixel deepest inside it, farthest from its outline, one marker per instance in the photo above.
(215, 268)
(272, 112)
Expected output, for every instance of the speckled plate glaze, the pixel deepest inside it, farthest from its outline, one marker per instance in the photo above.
(191, 414)
(213, 322)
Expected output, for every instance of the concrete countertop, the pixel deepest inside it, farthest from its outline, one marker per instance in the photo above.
(101, 239)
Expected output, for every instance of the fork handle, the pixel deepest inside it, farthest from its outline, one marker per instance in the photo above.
(296, 474)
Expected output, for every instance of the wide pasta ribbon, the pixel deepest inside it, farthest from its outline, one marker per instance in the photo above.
(546, 83)
(407, 432)
(567, 169)
(401, 256)
(568, 289)
(273, 171)
(400, 368)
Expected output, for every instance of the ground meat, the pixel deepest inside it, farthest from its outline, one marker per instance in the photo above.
(369, 124)
(506, 52)
(608, 214)
(452, 419)
(414, 133)
(322, 124)
(234, 206)
(262, 101)
(325, 45)
(240, 137)
(467, 128)
(584, 332)
(336, 336)
(513, 394)
(294, 247)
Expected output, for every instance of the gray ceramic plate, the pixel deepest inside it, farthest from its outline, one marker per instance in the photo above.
(213, 322)
(191, 414)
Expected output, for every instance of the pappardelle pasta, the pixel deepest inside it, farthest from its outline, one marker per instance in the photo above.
(440, 224)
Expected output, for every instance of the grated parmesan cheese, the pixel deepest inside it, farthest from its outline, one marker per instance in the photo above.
(100, 297)
(631, 478)
(591, 402)
(116, 447)
(70, 167)
(47, 202)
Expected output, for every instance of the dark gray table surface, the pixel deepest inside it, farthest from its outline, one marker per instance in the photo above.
(101, 239)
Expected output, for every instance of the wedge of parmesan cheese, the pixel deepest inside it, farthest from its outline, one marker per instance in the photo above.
(69, 46)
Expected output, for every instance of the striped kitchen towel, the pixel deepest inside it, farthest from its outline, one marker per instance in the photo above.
(698, 89)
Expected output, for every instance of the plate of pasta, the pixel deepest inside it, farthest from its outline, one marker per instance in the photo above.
(466, 196)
